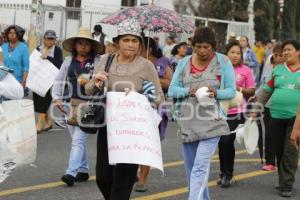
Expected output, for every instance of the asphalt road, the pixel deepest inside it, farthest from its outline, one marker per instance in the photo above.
(41, 181)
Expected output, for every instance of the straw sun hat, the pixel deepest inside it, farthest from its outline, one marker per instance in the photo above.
(83, 33)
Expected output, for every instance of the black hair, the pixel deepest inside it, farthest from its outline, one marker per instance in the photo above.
(176, 47)
(232, 44)
(92, 53)
(117, 38)
(171, 38)
(19, 32)
(204, 34)
(98, 28)
(295, 44)
(277, 48)
(150, 42)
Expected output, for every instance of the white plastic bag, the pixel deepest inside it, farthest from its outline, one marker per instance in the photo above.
(18, 139)
(247, 135)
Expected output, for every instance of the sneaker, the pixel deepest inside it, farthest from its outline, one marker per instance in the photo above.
(60, 123)
(68, 179)
(268, 168)
(285, 193)
(219, 181)
(141, 187)
(226, 181)
(82, 177)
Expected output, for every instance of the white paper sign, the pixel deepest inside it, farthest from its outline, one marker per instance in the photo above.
(132, 130)
(41, 74)
(18, 138)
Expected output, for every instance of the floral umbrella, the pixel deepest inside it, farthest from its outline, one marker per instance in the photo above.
(153, 18)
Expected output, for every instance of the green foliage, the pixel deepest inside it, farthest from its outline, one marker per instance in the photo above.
(260, 20)
(240, 10)
(266, 18)
(298, 21)
(219, 9)
(276, 18)
(289, 19)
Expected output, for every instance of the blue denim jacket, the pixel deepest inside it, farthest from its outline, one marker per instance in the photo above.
(251, 58)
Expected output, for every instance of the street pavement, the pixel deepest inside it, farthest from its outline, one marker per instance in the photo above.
(41, 180)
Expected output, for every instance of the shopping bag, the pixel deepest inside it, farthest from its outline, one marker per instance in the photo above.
(18, 138)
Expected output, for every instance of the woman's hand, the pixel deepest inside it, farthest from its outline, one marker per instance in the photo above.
(295, 138)
(59, 104)
(100, 77)
(252, 99)
(212, 92)
(44, 53)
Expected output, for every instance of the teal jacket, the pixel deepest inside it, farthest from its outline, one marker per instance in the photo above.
(226, 91)
(18, 60)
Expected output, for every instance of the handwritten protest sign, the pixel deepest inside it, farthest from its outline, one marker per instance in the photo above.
(132, 130)
(42, 74)
(18, 139)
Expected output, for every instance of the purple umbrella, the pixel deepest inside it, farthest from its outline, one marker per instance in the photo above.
(153, 18)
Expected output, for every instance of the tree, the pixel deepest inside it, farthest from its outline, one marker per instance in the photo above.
(276, 24)
(219, 9)
(298, 21)
(264, 12)
(240, 10)
(289, 19)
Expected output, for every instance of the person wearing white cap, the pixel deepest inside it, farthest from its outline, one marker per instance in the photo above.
(129, 70)
(80, 64)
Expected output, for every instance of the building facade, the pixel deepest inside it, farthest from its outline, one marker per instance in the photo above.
(66, 16)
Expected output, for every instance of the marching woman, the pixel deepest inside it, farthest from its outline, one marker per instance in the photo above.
(16, 53)
(284, 90)
(246, 85)
(163, 67)
(52, 53)
(201, 124)
(129, 70)
(81, 63)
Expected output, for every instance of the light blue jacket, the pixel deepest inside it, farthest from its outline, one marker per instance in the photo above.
(227, 90)
(18, 60)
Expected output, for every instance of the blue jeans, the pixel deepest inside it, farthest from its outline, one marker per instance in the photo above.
(78, 161)
(197, 156)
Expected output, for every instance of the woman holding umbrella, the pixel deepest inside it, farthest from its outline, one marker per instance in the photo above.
(129, 70)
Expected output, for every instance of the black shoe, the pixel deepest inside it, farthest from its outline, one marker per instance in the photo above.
(285, 193)
(278, 188)
(48, 128)
(141, 187)
(219, 181)
(68, 179)
(82, 177)
(226, 181)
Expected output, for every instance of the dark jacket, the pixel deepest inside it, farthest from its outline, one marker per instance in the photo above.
(57, 60)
